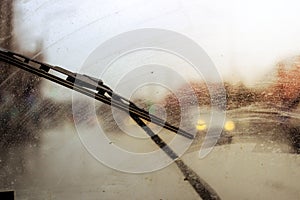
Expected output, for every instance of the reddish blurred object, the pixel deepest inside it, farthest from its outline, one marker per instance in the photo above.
(287, 86)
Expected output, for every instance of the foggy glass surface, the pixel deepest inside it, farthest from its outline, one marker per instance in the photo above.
(42, 157)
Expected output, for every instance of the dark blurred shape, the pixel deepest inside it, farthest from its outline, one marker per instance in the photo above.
(294, 136)
(6, 18)
(7, 195)
(19, 91)
(24, 112)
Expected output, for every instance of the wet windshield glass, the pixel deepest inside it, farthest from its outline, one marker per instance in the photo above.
(225, 77)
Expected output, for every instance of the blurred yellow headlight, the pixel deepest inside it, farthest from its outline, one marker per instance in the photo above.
(201, 125)
(229, 126)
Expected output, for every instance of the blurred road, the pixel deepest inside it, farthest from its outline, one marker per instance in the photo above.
(61, 168)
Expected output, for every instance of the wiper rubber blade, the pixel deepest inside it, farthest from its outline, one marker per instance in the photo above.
(85, 84)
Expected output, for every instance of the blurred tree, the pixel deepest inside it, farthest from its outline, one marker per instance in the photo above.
(288, 83)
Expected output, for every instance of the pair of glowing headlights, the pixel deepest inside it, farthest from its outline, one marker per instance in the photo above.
(202, 125)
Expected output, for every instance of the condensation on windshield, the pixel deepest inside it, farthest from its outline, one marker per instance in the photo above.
(257, 153)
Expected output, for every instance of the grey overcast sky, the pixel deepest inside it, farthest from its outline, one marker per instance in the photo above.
(245, 39)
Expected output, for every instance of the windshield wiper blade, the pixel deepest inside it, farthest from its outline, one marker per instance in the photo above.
(86, 85)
